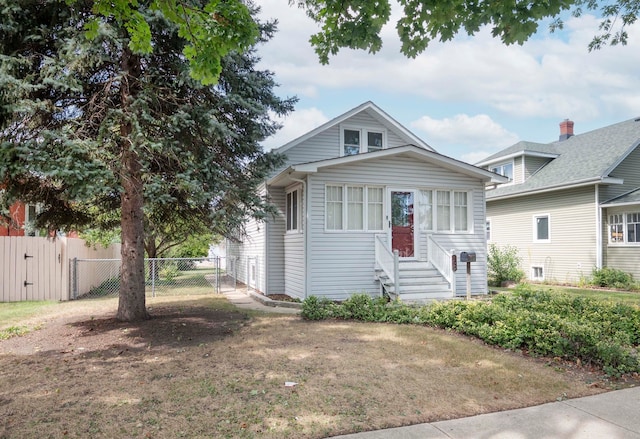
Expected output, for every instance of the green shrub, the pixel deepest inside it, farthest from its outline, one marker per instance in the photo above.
(612, 278)
(601, 333)
(169, 272)
(503, 264)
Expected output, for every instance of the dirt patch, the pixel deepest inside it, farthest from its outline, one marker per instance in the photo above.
(201, 368)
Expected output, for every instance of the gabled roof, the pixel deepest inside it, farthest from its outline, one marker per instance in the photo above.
(583, 159)
(530, 149)
(372, 110)
(296, 172)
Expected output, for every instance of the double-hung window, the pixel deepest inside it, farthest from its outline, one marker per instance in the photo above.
(354, 208)
(358, 140)
(633, 227)
(293, 211)
(624, 228)
(444, 210)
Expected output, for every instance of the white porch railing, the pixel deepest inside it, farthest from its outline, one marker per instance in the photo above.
(441, 260)
(388, 261)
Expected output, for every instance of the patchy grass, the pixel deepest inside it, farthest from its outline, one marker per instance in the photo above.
(201, 368)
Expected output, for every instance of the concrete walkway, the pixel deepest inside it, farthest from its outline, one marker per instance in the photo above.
(611, 415)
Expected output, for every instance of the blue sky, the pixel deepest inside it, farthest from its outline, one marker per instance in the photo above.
(467, 98)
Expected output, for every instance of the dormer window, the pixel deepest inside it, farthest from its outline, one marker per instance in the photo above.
(359, 140)
(505, 169)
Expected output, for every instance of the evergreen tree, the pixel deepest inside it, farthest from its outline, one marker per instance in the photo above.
(90, 128)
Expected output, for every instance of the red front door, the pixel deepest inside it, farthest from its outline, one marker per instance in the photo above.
(402, 223)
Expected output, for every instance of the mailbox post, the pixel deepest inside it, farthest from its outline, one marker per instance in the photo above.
(468, 257)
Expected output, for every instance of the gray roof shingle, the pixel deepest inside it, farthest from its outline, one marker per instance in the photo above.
(583, 157)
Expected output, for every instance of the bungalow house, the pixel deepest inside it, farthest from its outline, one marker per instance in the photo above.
(570, 205)
(365, 206)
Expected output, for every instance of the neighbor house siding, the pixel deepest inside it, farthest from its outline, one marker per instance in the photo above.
(625, 257)
(518, 170)
(571, 251)
(342, 262)
(533, 164)
(629, 171)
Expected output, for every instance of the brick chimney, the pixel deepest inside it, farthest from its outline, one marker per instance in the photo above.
(566, 129)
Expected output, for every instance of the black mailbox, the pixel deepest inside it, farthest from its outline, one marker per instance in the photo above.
(467, 256)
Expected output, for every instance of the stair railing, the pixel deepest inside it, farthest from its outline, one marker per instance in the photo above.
(388, 261)
(441, 260)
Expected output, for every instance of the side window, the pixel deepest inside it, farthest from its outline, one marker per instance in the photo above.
(616, 228)
(351, 142)
(488, 229)
(293, 211)
(541, 228)
(505, 169)
(633, 227)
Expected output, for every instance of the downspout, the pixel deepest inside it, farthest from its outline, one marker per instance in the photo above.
(305, 229)
(598, 229)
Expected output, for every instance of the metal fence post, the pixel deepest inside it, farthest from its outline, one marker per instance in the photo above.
(74, 278)
(153, 277)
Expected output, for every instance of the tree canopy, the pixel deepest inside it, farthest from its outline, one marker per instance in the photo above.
(102, 131)
(356, 24)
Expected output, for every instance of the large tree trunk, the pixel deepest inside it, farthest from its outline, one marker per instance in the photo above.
(131, 305)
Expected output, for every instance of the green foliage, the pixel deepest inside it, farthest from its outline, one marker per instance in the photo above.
(194, 246)
(169, 272)
(13, 331)
(503, 264)
(602, 333)
(357, 24)
(612, 278)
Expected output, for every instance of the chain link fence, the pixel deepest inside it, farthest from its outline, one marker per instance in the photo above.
(92, 278)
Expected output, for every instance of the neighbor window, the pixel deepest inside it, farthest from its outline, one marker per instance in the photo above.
(616, 228)
(31, 213)
(541, 228)
(488, 229)
(624, 228)
(364, 207)
(293, 214)
(505, 169)
(357, 140)
(537, 273)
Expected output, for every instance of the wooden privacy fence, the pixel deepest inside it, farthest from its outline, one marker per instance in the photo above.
(33, 268)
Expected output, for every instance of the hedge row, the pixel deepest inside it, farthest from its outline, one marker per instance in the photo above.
(597, 332)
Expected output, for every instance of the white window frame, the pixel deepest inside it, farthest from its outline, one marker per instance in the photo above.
(499, 169)
(345, 208)
(487, 229)
(626, 228)
(624, 217)
(364, 137)
(452, 211)
(295, 191)
(533, 275)
(535, 228)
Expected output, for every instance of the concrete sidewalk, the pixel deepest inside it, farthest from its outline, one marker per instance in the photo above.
(611, 415)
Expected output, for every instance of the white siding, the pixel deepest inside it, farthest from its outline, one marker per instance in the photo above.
(518, 170)
(571, 251)
(251, 246)
(275, 244)
(342, 263)
(294, 257)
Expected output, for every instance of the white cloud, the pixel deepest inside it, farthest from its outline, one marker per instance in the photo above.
(473, 132)
(295, 125)
(475, 157)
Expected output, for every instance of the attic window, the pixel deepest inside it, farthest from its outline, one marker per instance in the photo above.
(358, 140)
(505, 169)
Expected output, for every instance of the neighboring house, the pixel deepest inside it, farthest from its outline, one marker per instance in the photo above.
(351, 192)
(20, 221)
(571, 205)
